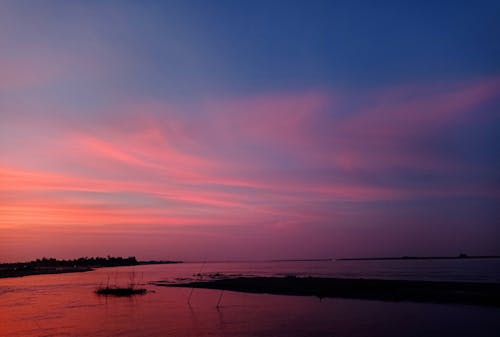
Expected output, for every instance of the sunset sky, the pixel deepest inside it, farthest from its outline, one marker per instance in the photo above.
(206, 130)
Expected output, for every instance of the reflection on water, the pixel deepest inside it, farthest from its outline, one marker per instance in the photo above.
(65, 305)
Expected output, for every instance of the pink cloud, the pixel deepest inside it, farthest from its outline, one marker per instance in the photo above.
(400, 111)
(281, 118)
(280, 161)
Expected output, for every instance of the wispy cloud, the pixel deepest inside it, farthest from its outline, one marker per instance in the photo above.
(287, 161)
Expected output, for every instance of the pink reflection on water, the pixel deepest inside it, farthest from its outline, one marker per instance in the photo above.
(66, 305)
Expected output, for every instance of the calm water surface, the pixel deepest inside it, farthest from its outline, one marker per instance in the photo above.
(65, 304)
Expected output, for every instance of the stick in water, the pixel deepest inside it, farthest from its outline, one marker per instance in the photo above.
(220, 298)
(192, 288)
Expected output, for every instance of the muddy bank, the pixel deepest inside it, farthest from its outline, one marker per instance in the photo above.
(487, 294)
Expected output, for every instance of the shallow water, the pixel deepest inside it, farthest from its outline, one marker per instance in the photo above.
(65, 304)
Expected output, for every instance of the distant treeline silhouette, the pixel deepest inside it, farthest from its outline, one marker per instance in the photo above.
(82, 264)
(87, 262)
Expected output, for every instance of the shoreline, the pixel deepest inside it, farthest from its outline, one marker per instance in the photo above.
(11, 273)
(21, 272)
(403, 258)
(472, 293)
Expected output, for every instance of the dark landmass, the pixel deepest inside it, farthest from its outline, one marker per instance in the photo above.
(14, 272)
(300, 260)
(120, 291)
(54, 266)
(486, 294)
(158, 262)
(461, 256)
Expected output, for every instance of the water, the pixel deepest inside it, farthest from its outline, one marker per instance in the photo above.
(65, 304)
(483, 270)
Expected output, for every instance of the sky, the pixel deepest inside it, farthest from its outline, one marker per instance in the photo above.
(239, 130)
